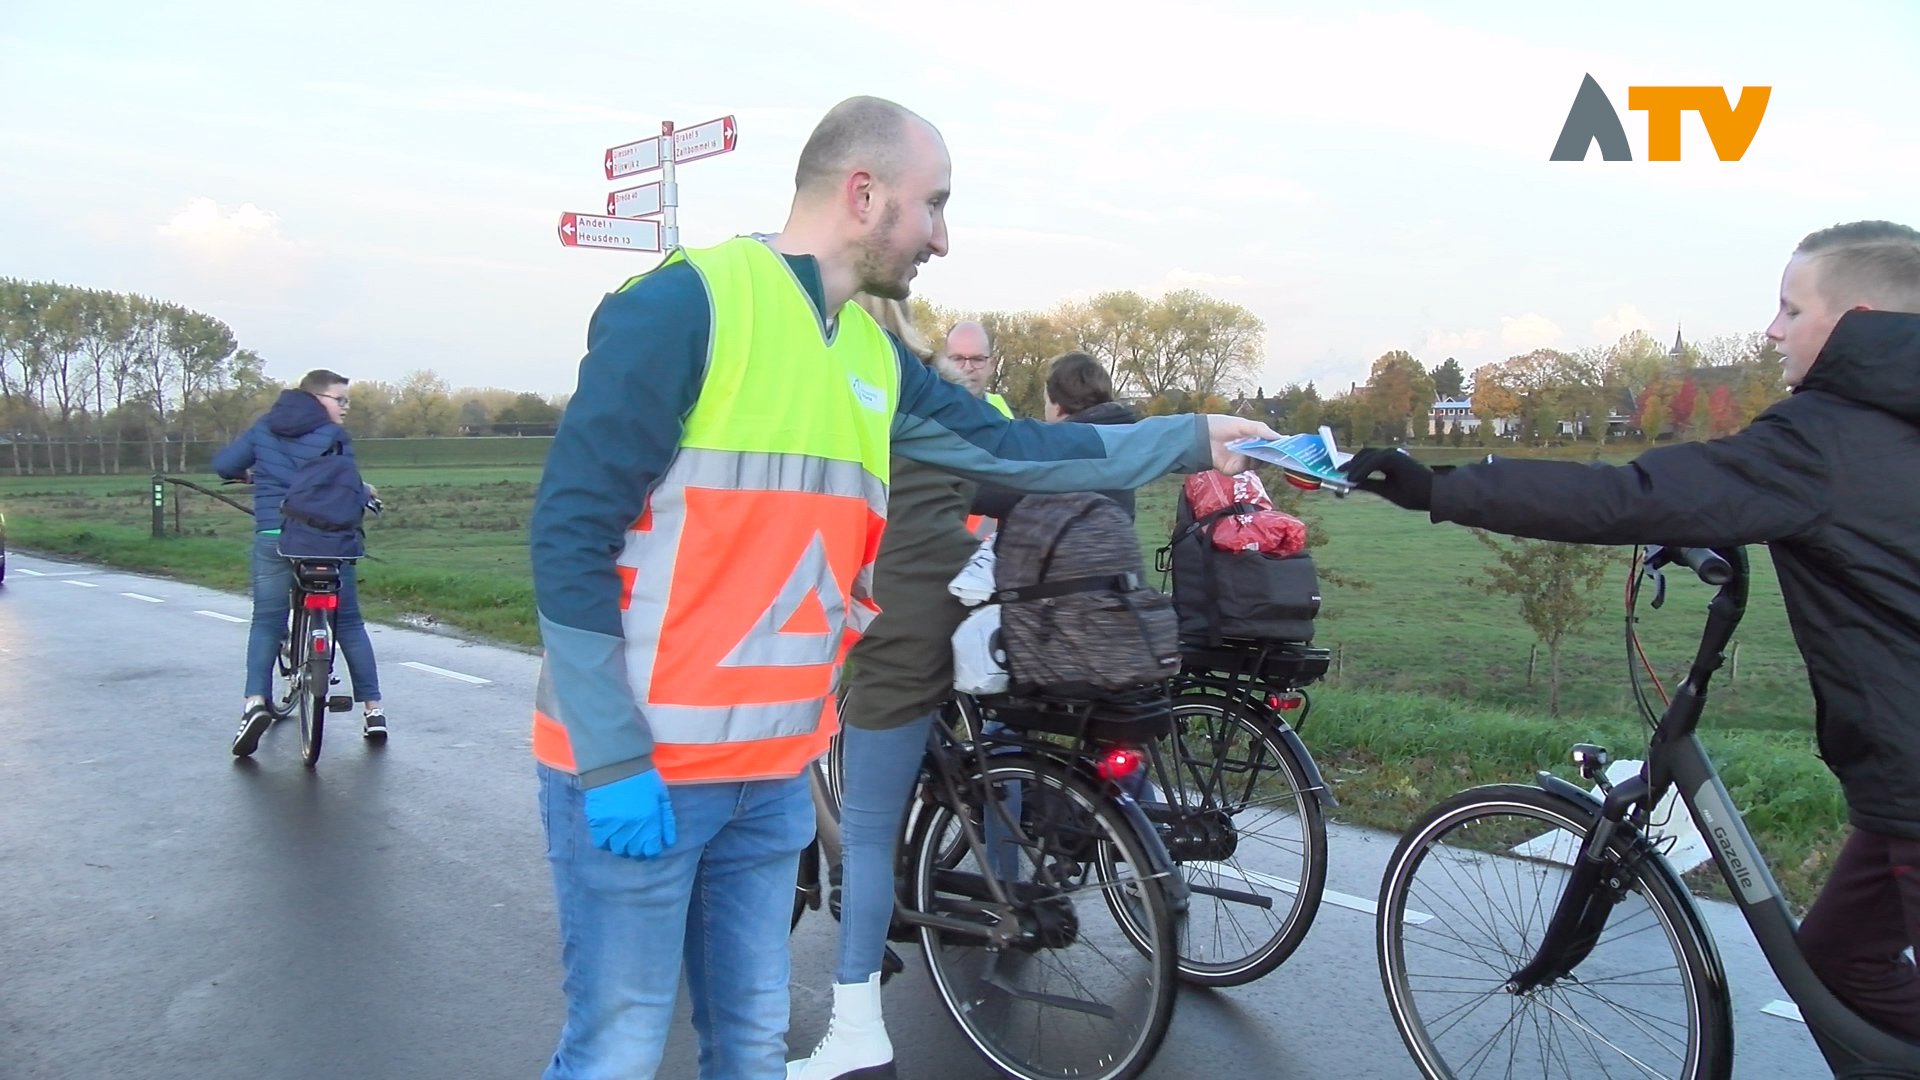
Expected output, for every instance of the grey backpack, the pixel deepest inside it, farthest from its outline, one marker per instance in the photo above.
(1077, 618)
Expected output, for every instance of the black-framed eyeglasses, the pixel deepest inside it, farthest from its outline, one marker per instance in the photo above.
(972, 361)
(339, 399)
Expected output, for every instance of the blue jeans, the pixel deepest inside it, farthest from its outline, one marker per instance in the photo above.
(880, 768)
(721, 898)
(272, 585)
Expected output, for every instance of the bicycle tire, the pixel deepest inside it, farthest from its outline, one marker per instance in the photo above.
(312, 703)
(1442, 961)
(1232, 769)
(1018, 1005)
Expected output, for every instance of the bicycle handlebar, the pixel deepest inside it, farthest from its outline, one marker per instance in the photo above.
(1707, 564)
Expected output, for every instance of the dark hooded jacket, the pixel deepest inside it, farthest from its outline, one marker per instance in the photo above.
(295, 431)
(1830, 480)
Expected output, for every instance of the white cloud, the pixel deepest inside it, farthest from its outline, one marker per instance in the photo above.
(1455, 341)
(1619, 322)
(204, 224)
(1529, 331)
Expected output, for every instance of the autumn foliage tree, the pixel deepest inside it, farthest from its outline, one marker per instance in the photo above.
(1399, 394)
(1680, 410)
(1723, 412)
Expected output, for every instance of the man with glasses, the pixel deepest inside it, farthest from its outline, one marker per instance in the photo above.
(303, 424)
(968, 361)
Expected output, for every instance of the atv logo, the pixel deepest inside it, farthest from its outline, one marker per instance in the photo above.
(1592, 119)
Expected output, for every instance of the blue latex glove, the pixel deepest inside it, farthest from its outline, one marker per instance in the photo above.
(632, 817)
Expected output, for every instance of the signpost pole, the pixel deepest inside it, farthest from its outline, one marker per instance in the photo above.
(669, 190)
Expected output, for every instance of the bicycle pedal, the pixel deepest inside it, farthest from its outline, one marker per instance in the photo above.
(890, 965)
(340, 703)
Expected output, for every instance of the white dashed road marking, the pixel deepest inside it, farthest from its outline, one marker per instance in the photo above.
(431, 670)
(217, 615)
(1337, 899)
(29, 573)
(143, 596)
(83, 584)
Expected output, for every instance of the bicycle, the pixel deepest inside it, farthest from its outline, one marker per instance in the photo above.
(1230, 784)
(1019, 836)
(1543, 926)
(302, 674)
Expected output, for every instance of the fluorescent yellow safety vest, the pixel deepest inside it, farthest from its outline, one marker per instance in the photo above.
(749, 573)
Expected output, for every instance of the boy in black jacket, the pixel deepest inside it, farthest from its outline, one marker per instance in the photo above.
(1830, 480)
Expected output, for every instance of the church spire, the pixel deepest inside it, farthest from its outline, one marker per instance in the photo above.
(1679, 349)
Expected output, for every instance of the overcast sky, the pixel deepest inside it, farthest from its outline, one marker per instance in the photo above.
(375, 186)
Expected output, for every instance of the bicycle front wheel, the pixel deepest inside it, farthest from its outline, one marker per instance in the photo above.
(1465, 901)
(1069, 995)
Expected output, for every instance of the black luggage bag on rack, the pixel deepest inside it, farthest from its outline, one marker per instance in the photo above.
(1221, 595)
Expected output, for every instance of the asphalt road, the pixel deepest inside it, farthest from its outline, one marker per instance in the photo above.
(167, 912)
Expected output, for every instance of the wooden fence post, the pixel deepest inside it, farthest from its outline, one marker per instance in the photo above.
(1533, 653)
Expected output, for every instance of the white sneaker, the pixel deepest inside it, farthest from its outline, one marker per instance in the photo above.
(855, 1046)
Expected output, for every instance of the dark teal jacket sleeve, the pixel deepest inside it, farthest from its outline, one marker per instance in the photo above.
(940, 424)
(646, 359)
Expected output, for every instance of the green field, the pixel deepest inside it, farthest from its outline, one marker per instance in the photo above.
(1431, 692)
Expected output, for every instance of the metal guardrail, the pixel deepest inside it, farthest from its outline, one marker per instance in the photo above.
(160, 483)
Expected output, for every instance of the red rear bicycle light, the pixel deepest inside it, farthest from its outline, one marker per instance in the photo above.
(323, 601)
(319, 643)
(1118, 763)
(1286, 702)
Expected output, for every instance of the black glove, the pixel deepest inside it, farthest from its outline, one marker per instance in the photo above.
(1404, 482)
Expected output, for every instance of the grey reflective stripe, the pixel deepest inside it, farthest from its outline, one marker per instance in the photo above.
(688, 725)
(735, 470)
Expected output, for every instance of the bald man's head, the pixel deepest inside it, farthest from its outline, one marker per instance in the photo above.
(871, 199)
(860, 134)
(968, 358)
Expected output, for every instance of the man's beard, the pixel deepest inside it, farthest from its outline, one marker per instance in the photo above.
(876, 273)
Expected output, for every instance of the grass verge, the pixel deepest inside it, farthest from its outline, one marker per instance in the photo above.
(496, 605)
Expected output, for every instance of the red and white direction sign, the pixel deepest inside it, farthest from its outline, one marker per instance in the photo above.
(632, 159)
(619, 233)
(704, 140)
(689, 144)
(642, 201)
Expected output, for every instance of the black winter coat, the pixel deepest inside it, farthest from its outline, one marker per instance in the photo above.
(1830, 480)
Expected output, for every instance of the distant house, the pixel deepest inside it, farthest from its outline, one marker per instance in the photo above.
(1449, 415)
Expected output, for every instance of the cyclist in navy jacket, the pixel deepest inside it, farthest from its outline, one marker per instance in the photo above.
(302, 425)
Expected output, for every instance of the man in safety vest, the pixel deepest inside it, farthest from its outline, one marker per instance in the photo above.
(702, 547)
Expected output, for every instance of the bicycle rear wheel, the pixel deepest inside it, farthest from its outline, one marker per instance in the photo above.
(316, 680)
(1246, 829)
(1070, 996)
(1464, 903)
